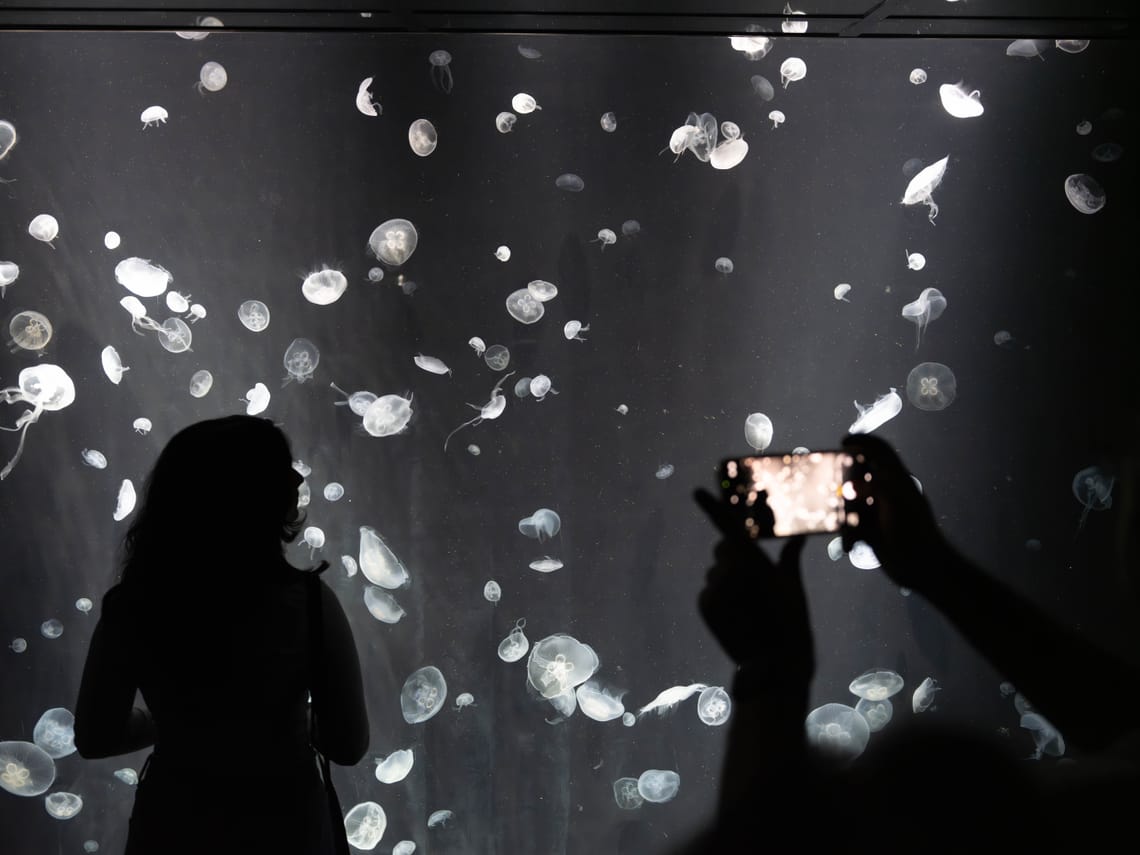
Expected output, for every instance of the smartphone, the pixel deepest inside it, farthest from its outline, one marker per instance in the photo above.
(806, 493)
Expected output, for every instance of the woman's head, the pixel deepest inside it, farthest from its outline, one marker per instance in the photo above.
(220, 487)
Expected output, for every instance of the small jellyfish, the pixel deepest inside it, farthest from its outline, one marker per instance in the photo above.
(724, 265)
(1108, 152)
(609, 122)
(545, 564)
(778, 118)
(630, 228)
(431, 364)
(862, 557)
(364, 825)
(626, 794)
(570, 182)
(664, 471)
(200, 383)
(917, 76)
(915, 260)
(51, 629)
(422, 137)
(921, 188)
(523, 103)
(606, 237)
(923, 697)
(877, 684)
(928, 307)
(523, 307)
(540, 387)
(301, 360)
(960, 102)
(835, 548)
(404, 847)
(333, 491)
(7, 138)
(527, 52)
(573, 330)
(658, 785)
(503, 253)
(394, 241)
(492, 591)
(1084, 193)
(111, 240)
(1028, 48)
(1092, 487)
(621, 409)
(125, 501)
(152, 116)
(382, 605)
(440, 817)
(60, 805)
(177, 302)
(18, 645)
(763, 87)
(1084, 128)
(44, 227)
(599, 703)
(324, 287)
(872, 416)
(841, 291)
(515, 646)
(505, 122)
(55, 732)
(142, 425)
(314, 537)
(395, 767)
(497, 357)
(254, 315)
(792, 69)
(423, 694)
(94, 459)
(714, 706)
(877, 713)
(365, 103)
(473, 450)
(375, 274)
(758, 431)
(128, 776)
(1071, 45)
(837, 731)
(542, 290)
(175, 335)
(48, 388)
(729, 153)
(388, 415)
(197, 312)
(931, 386)
(9, 273)
(440, 61)
(729, 130)
(30, 331)
(212, 77)
(256, 399)
(349, 564)
(464, 699)
(478, 345)
(522, 387)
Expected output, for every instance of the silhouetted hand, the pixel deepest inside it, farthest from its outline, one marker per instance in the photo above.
(756, 609)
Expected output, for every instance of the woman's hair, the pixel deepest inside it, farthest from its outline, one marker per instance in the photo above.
(222, 489)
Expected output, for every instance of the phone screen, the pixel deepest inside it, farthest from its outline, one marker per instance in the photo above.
(805, 492)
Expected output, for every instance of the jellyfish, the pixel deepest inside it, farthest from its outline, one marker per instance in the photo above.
(862, 556)
(658, 785)
(960, 102)
(664, 471)
(51, 629)
(440, 817)
(18, 645)
(478, 345)
(375, 274)
(794, 27)
(314, 537)
(522, 387)
(324, 287)
(379, 563)
(1092, 487)
(423, 694)
(542, 290)
(200, 383)
(922, 186)
(333, 492)
(1028, 48)
(877, 713)
(682, 139)
(928, 307)
(558, 663)
(931, 386)
(358, 402)
(762, 87)
(837, 731)
(46, 387)
(527, 52)
(497, 357)
(60, 805)
(256, 399)
(7, 138)
(211, 78)
(668, 700)
(545, 564)
(93, 458)
(128, 776)
(599, 703)
(917, 76)
(872, 416)
(440, 61)
(55, 732)
(606, 237)
(142, 425)
(465, 699)
(758, 431)
(923, 697)
(394, 241)
(1046, 738)
(841, 291)
(365, 824)
(141, 277)
(621, 409)
(395, 767)
(915, 260)
(792, 69)
(1071, 45)
(301, 360)
(492, 591)
(835, 548)
(609, 122)
(254, 315)
(382, 605)
(523, 307)
(505, 122)
(503, 253)
(1084, 193)
(125, 501)
(174, 335)
(540, 387)
(349, 565)
(1108, 152)
(1084, 128)
(365, 103)
(197, 35)
(9, 273)
(523, 103)
(876, 684)
(714, 706)
(177, 302)
(778, 118)
(570, 182)
(44, 227)
(197, 312)
(626, 794)
(25, 768)
(729, 153)
(724, 265)
(30, 330)
(431, 364)
(515, 646)
(304, 495)
(753, 47)
(152, 116)
(422, 137)
(542, 525)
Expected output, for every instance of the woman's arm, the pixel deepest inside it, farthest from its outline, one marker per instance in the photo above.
(342, 718)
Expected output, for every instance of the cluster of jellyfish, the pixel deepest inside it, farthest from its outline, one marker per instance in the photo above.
(699, 135)
(608, 237)
(145, 279)
(522, 104)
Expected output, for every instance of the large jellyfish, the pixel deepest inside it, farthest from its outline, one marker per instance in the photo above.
(490, 410)
(599, 703)
(301, 360)
(960, 102)
(387, 415)
(1084, 193)
(379, 563)
(440, 62)
(931, 386)
(324, 287)
(920, 188)
(714, 706)
(728, 154)
(422, 137)
(923, 697)
(44, 227)
(560, 662)
(1092, 487)
(55, 732)
(30, 330)
(395, 767)
(885, 408)
(877, 684)
(394, 241)
(542, 525)
(142, 277)
(837, 731)
(423, 694)
(364, 825)
(46, 387)
(758, 431)
(25, 768)
(658, 785)
(928, 307)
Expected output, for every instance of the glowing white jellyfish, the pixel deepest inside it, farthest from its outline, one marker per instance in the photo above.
(404, 847)
(515, 646)
(598, 702)
(626, 794)
(792, 69)
(503, 253)
(872, 416)
(915, 260)
(177, 302)
(558, 663)
(212, 77)
(314, 537)
(877, 713)
(928, 307)
(95, 459)
(863, 557)
(422, 137)
(364, 825)
(128, 776)
(324, 287)
(84, 605)
(112, 365)
(545, 564)
(1028, 48)
(9, 273)
(394, 241)
(174, 335)
(540, 387)
(923, 697)
(658, 785)
(490, 410)
(668, 700)
(724, 265)
(423, 694)
(778, 118)
(1046, 738)
(621, 409)
(877, 684)
(492, 591)
(44, 227)
(18, 645)
(375, 274)
(728, 154)
(1084, 128)
(142, 277)
(758, 431)
(431, 364)
(440, 817)
(917, 76)
(505, 122)
(527, 52)
(142, 425)
(62, 805)
(358, 401)
(477, 344)
(152, 116)
(931, 386)
(542, 525)
(523, 307)
(664, 471)
(837, 731)
(256, 399)
(125, 501)
(51, 629)
(55, 732)
(960, 102)
(1084, 193)
(714, 706)
(790, 26)
(609, 122)
(333, 491)
(464, 699)
(573, 330)
(382, 605)
(300, 360)
(48, 388)
(835, 548)
(922, 186)
(30, 330)
(523, 103)
(542, 290)
(753, 47)
(606, 237)
(395, 767)
(25, 768)
(201, 383)
(388, 415)
(365, 103)
(254, 315)
(379, 563)
(841, 291)
(473, 450)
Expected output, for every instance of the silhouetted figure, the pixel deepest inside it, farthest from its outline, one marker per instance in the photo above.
(920, 786)
(210, 623)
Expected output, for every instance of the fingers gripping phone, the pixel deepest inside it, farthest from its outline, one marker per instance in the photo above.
(804, 493)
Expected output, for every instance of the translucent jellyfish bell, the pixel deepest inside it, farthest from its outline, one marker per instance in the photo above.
(960, 102)
(382, 605)
(1028, 48)
(379, 563)
(212, 77)
(658, 785)
(923, 697)
(1084, 193)
(175, 335)
(254, 315)
(60, 805)
(762, 86)
(394, 241)
(542, 525)
(609, 122)
(841, 291)
(478, 345)
(112, 365)
(7, 138)
(47, 388)
(505, 122)
(872, 416)
(928, 307)
(423, 694)
(778, 118)
(324, 287)
(837, 731)
(30, 330)
(626, 794)
(431, 364)
(9, 273)
(515, 646)
(142, 278)
(570, 182)
(792, 26)
(877, 713)
(729, 153)
(1071, 45)
(503, 253)
(863, 557)
(492, 592)
(1092, 487)
(545, 565)
(599, 703)
(333, 491)
(523, 103)
(918, 76)
(358, 402)
(877, 684)
(1046, 738)
(441, 78)
(922, 186)
(25, 768)
(153, 115)
(44, 227)
(792, 69)
(542, 290)
(440, 817)
(365, 103)
(724, 265)
(558, 663)
(714, 706)
(364, 825)
(931, 386)
(753, 47)
(606, 237)
(301, 360)
(55, 733)
(395, 767)
(523, 307)
(422, 137)
(915, 260)
(573, 330)
(497, 357)
(758, 431)
(256, 399)
(125, 501)
(540, 387)
(94, 458)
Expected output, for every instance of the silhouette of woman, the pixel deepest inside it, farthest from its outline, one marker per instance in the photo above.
(210, 623)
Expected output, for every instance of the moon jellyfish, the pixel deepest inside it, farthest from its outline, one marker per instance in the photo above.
(212, 77)
(573, 330)
(177, 302)
(431, 364)
(763, 87)
(1046, 738)
(1071, 45)
(365, 103)
(197, 312)
(606, 237)
(478, 345)
(599, 703)
(358, 401)
(558, 663)
(835, 548)
(128, 776)
(841, 291)
(863, 557)
(197, 35)
(1084, 128)
(63, 805)
(877, 713)
(423, 694)
(174, 335)
(55, 733)
(44, 227)
(876, 684)
(395, 767)
(254, 315)
(922, 186)
(724, 265)
(792, 69)
(540, 387)
(960, 102)
(349, 565)
(382, 605)
(758, 431)
(626, 794)
(505, 122)
(515, 646)
(324, 287)
(609, 122)
(621, 409)
(492, 592)
(1084, 193)
(928, 307)
(777, 117)
(440, 61)
(84, 605)
(141, 277)
(301, 360)
(379, 563)
(664, 471)
(714, 706)
(793, 27)
(1092, 487)
(151, 116)
(753, 47)
(658, 785)
(440, 817)
(30, 331)
(528, 52)
(497, 357)
(422, 137)
(837, 731)
(256, 399)
(1109, 152)
(18, 645)
(94, 459)
(503, 253)
(523, 103)
(142, 425)
(917, 76)
(570, 182)
(365, 824)
(9, 273)
(51, 629)
(923, 697)
(915, 260)
(46, 387)
(885, 408)
(1028, 48)
(7, 138)
(333, 492)
(523, 307)
(125, 502)
(931, 386)
(542, 525)
(394, 241)
(542, 290)
(729, 153)
(465, 699)
(201, 383)
(545, 565)
(25, 768)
